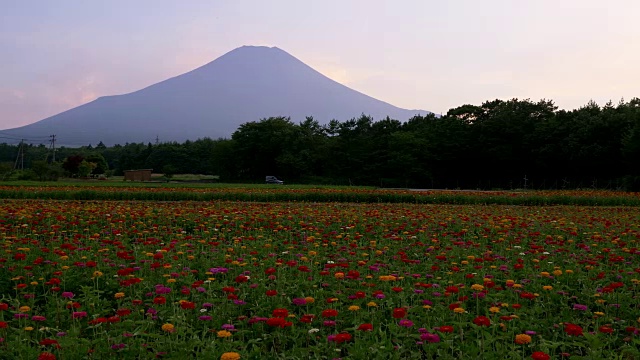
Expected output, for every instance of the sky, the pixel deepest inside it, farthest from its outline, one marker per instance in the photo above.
(415, 54)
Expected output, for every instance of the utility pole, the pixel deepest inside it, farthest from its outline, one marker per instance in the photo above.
(15, 166)
(53, 146)
(22, 154)
(157, 140)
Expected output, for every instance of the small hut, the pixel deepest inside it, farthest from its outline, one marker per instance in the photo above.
(138, 175)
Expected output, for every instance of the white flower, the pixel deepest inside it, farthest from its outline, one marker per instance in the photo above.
(203, 310)
(314, 330)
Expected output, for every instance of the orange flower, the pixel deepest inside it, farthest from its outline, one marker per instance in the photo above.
(522, 339)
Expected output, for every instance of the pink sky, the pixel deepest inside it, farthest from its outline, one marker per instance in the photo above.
(55, 55)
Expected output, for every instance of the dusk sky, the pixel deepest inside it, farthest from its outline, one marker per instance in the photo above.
(415, 54)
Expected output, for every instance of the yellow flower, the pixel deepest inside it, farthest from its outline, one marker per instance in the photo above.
(517, 286)
(339, 275)
(171, 280)
(427, 307)
(28, 328)
(34, 283)
(354, 308)
(599, 313)
(522, 339)
(545, 274)
(230, 356)
(569, 271)
(168, 327)
(24, 309)
(557, 272)
(224, 334)
(97, 274)
(477, 287)
(119, 295)
(494, 309)
(387, 278)
(601, 301)
(371, 304)
(547, 287)
(309, 300)
(458, 310)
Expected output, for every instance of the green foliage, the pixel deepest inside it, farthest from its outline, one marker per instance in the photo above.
(85, 168)
(498, 144)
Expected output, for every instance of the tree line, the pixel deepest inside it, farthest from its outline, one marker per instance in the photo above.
(496, 145)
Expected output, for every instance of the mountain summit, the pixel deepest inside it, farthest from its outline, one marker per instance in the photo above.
(246, 84)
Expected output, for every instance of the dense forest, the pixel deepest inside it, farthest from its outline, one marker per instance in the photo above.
(499, 144)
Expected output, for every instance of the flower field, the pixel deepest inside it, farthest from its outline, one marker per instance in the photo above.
(297, 280)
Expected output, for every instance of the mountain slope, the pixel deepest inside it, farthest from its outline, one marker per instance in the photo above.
(246, 84)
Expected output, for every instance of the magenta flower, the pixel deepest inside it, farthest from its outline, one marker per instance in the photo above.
(67, 295)
(429, 337)
(78, 314)
(406, 323)
(299, 301)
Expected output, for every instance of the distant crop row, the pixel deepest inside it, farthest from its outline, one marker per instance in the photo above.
(356, 195)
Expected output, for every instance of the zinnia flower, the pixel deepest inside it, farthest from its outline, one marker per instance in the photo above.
(230, 356)
(522, 339)
(399, 313)
(482, 321)
(572, 329)
(539, 355)
(168, 327)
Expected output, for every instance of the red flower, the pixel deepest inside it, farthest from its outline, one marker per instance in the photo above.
(329, 313)
(605, 329)
(446, 329)
(527, 295)
(365, 327)
(188, 305)
(396, 289)
(303, 268)
(516, 306)
(454, 306)
(229, 289)
(399, 313)
(159, 300)
(276, 322)
(572, 329)
(45, 342)
(539, 355)
(307, 319)
(452, 289)
(46, 356)
(4, 325)
(271, 293)
(123, 312)
(280, 313)
(4, 306)
(241, 279)
(482, 321)
(344, 337)
(360, 295)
